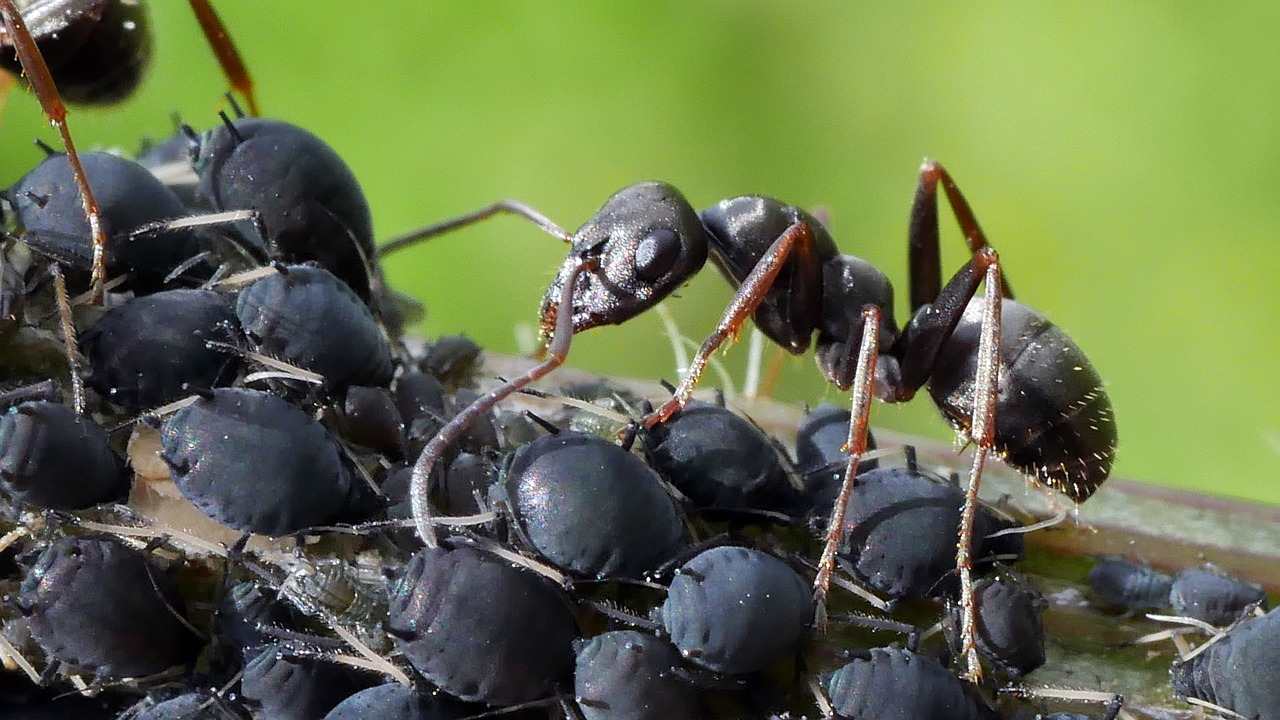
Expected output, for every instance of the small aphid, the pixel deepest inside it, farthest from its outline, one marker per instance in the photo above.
(52, 458)
(627, 675)
(480, 629)
(1010, 629)
(1237, 672)
(454, 360)
(255, 463)
(150, 350)
(589, 507)
(100, 605)
(889, 684)
(191, 706)
(736, 610)
(1119, 583)
(305, 316)
(1206, 593)
(394, 701)
(368, 417)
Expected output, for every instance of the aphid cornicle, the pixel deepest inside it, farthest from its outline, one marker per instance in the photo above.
(480, 629)
(550, 485)
(52, 458)
(100, 605)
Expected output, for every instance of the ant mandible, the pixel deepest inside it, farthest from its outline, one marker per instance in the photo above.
(115, 29)
(1007, 379)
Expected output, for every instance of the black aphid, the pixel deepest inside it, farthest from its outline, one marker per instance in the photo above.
(191, 706)
(150, 350)
(480, 629)
(589, 507)
(1206, 593)
(306, 316)
(52, 458)
(1120, 583)
(310, 203)
(627, 675)
(821, 456)
(100, 605)
(394, 701)
(1010, 629)
(368, 417)
(736, 610)
(890, 684)
(1239, 671)
(255, 463)
(292, 687)
(720, 460)
(453, 359)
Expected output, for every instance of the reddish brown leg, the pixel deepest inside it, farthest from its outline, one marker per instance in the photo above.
(46, 91)
(513, 207)
(752, 291)
(982, 433)
(922, 235)
(420, 480)
(225, 50)
(863, 380)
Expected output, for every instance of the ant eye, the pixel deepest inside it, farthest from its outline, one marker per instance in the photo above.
(656, 254)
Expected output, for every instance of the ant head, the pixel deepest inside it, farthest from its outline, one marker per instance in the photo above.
(646, 241)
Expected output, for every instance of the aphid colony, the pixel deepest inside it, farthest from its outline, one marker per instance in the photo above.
(204, 329)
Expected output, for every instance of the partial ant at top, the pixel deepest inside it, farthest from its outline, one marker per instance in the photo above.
(1007, 379)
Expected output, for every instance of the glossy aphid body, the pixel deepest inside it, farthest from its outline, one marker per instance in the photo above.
(394, 701)
(628, 675)
(1011, 635)
(889, 683)
(292, 687)
(52, 458)
(1207, 593)
(1237, 672)
(554, 484)
(1120, 583)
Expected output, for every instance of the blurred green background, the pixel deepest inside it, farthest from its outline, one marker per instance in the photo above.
(1122, 156)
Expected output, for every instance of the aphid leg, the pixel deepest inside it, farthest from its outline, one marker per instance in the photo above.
(923, 247)
(820, 698)
(797, 238)
(420, 482)
(68, 328)
(225, 50)
(46, 92)
(982, 432)
(514, 207)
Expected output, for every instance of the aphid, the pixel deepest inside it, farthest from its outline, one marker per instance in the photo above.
(100, 605)
(1206, 593)
(627, 675)
(820, 454)
(394, 701)
(646, 241)
(590, 507)
(720, 460)
(255, 463)
(150, 350)
(243, 612)
(453, 359)
(736, 610)
(1010, 628)
(52, 458)
(900, 539)
(1239, 671)
(306, 316)
(1119, 583)
(480, 629)
(368, 417)
(132, 204)
(294, 687)
(889, 683)
(310, 204)
(422, 400)
(191, 706)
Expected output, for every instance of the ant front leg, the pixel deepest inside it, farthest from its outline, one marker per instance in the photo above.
(922, 236)
(225, 50)
(420, 480)
(863, 378)
(796, 238)
(46, 91)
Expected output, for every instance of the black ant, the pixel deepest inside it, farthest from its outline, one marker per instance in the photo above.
(101, 48)
(1006, 378)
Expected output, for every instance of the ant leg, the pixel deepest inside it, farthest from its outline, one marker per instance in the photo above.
(922, 235)
(225, 50)
(420, 481)
(46, 91)
(797, 238)
(514, 207)
(68, 336)
(863, 379)
(982, 432)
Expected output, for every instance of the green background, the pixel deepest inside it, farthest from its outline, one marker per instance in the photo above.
(1122, 156)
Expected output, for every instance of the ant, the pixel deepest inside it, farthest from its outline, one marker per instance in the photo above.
(101, 47)
(1007, 379)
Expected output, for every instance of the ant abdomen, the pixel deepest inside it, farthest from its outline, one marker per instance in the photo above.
(1053, 417)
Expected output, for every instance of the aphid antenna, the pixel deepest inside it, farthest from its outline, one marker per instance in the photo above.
(217, 275)
(494, 548)
(1188, 621)
(1203, 646)
(1025, 529)
(618, 614)
(186, 265)
(820, 698)
(1221, 711)
(86, 298)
